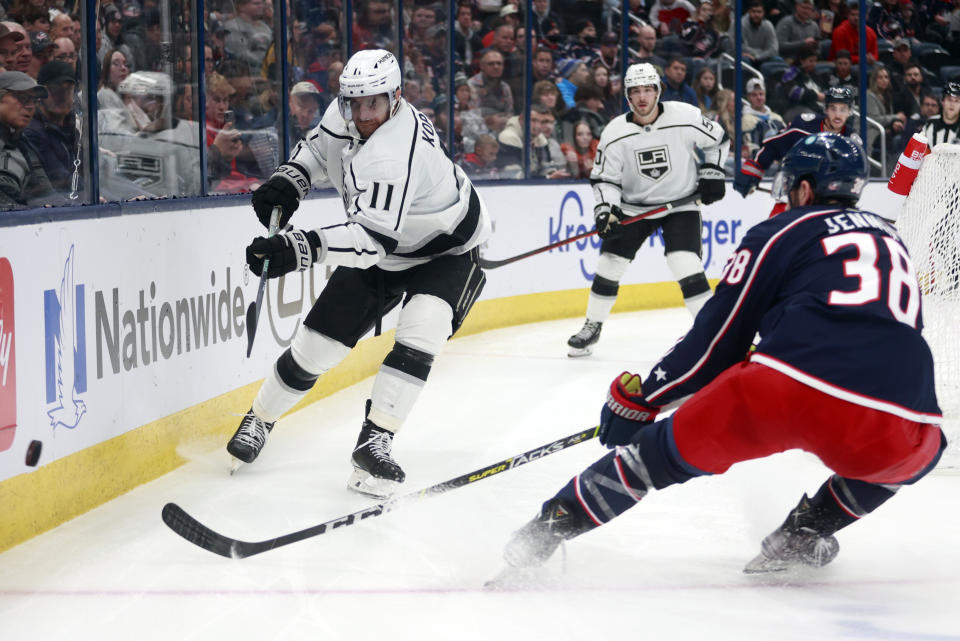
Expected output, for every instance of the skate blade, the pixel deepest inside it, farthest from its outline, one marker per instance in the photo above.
(362, 482)
(763, 565)
(235, 464)
(511, 578)
(577, 352)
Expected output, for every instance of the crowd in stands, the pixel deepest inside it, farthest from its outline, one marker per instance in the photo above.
(148, 107)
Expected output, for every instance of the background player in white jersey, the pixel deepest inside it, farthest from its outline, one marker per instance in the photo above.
(646, 157)
(414, 222)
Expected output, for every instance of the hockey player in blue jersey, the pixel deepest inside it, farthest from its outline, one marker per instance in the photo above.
(841, 370)
(837, 109)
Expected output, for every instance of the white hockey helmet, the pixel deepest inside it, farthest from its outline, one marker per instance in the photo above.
(146, 83)
(641, 75)
(369, 73)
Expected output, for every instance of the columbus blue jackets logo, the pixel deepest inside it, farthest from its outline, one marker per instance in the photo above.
(653, 163)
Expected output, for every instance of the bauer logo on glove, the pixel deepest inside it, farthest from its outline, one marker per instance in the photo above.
(292, 251)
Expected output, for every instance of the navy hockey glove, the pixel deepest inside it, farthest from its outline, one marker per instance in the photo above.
(748, 178)
(285, 188)
(625, 411)
(712, 184)
(608, 220)
(293, 251)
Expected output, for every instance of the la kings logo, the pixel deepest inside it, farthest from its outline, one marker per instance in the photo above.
(653, 163)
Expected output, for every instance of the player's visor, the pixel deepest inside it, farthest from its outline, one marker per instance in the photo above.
(361, 105)
(781, 187)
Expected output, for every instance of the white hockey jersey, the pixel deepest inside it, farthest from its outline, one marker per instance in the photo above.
(637, 166)
(406, 202)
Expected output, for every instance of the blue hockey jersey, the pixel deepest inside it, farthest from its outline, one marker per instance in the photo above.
(833, 294)
(776, 147)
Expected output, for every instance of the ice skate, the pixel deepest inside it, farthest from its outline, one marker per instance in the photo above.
(581, 343)
(248, 440)
(795, 544)
(375, 473)
(535, 542)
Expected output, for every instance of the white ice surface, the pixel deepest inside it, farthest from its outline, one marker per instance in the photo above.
(668, 569)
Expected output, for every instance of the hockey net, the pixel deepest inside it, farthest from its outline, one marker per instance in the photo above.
(930, 226)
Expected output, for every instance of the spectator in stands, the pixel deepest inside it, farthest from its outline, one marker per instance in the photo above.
(115, 68)
(22, 56)
(758, 121)
(484, 120)
(224, 141)
(572, 74)
(908, 99)
(668, 16)
(912, 27)
(61, 27)
(547, 93)
(65, 51)
(9, 47)
(547, 159)
(581, 46)
(609, 53)
(798, 89)
(35, 19)
(53, 130)
(798, 30)
(843, 74)
(725, 115)
(700, 39)
(488, 84)
(705, 87)
(23, 182)
(422, 19)
(886, 19)
(644, 45)
(304, 109)
(937, 19)
(464, 96)
(929, 108)
(902, 56)
(248, 36)
(880, 107)
(835, 11)
(580, 153)
(759, 37)
(543, 65)
(675, 86)
(374, 26)
(847, 36)
(505, 41)
(42, 48)
(482, 162)
(610, 90)
(589, 109)
(466, 38)
(548, 25)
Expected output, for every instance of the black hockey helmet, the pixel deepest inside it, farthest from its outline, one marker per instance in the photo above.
(951, 88)
(838, 94)
(836, 165)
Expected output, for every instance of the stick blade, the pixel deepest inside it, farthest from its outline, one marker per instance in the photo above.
(195, 532)
(251, 327)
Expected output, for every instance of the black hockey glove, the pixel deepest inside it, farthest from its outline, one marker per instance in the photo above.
(285, 188)
(712, 183)
(293, 251)
(608, 220)
(625, 411)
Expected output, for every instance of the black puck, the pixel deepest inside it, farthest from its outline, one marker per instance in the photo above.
(33, 453)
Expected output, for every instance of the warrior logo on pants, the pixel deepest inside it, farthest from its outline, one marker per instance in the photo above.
(653, 163)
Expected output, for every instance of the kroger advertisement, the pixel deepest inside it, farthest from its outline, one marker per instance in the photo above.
(108, 324)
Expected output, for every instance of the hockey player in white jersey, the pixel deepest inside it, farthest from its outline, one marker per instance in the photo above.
(645, 158)
(414, 223)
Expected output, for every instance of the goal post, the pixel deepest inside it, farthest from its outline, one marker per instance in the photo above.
(930, 227)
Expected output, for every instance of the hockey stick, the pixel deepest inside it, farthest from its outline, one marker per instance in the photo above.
(253, 311)
(493, 264)
(198, 534)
